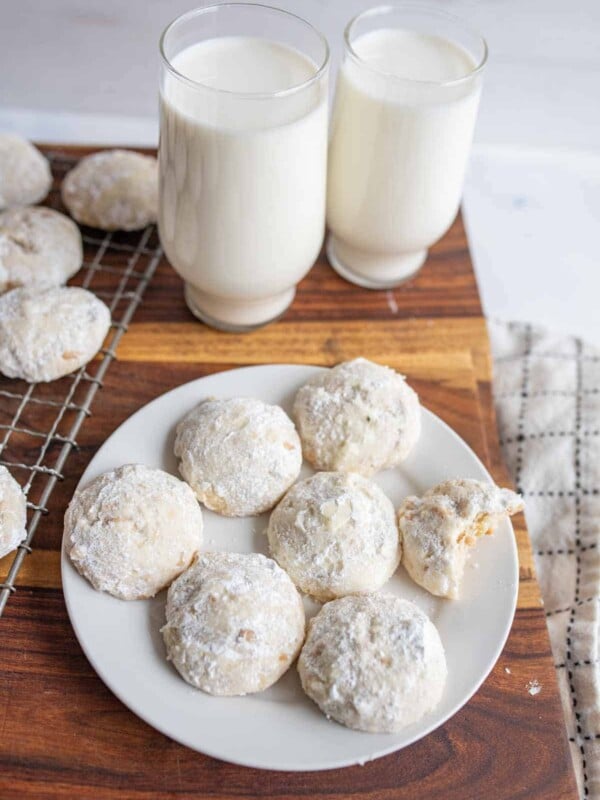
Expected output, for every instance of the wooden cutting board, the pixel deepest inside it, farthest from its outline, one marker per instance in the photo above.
(63, 734)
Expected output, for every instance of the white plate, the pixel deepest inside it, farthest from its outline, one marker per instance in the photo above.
(281, 728)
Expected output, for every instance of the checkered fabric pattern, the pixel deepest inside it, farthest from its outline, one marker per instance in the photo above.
(547, 393)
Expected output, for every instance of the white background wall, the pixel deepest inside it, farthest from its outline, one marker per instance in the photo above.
(86, 70)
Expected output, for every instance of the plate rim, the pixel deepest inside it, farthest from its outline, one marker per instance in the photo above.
(66, 566)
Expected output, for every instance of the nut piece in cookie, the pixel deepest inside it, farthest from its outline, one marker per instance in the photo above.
(438, 529)
(357, 417)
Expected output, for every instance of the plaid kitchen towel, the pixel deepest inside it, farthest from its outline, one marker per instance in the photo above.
(547, 393)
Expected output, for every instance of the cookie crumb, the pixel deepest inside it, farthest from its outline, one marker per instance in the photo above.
(533, 687)
(507, 670)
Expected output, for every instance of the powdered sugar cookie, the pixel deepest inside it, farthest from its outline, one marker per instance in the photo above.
(239, 455)
(373, 662)
(357, 417)
(13, 513)
(235, 623)
(38, 248)
(25, 176)
(48, 333)
(113, 190)
(439, 528)
(132, 530)
(335, 534)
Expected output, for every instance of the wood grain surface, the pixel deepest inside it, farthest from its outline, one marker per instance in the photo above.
(63, 734)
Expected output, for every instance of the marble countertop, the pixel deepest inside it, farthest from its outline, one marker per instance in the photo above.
(532, 196)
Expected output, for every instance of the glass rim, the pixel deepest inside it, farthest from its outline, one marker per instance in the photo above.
(425, 10)
(201, 11)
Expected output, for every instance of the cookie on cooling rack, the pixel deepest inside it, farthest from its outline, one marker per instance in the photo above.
(25, 176)
(335, 534)
(113, 190)
(235, 623)
(357, 417)
(439, 529)
(38, 248)
(373, 662)
(48, 333)
(239, 455)
(132, 530)
(13, 513)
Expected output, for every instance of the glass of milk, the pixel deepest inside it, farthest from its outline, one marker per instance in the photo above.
(405, 108)
(243, 158)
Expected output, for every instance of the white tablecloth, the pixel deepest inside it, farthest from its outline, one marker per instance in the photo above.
(547, 392)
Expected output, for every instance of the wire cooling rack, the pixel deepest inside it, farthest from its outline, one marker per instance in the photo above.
(39, 423)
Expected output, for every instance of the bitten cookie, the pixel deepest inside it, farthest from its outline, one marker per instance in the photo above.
(335, 534)
(25, 176)
(373, 662)
(357, 417)
(39, 248)
(235, 623)
(239, 455)
(13, 513)
(113, 190)
(439, 529)
(48, 333)
(132, 530)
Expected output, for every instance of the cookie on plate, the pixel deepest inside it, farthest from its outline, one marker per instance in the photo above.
(373, 662)
(48, 333)
(13, 513)
(133, 530)
(25, 176)
(335, 534)
(39, 248)
(114, 190)
(235, 623)
(439, 529)
(357, 417)
(239, 455)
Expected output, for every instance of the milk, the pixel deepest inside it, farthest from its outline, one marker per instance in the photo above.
(401, 134)
(242, 175)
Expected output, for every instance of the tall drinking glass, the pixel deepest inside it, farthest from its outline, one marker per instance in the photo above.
(405, 108)
(242, 155)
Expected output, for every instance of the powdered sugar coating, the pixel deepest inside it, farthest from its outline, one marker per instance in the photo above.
(357, 417)
(335, 534)
(239, 455)
(38, 248)
(438, 529)
(25, 175)
(113, 190)
(13, 513)
(48, 333)
(132, 530)
(373, 662)
(235, 623)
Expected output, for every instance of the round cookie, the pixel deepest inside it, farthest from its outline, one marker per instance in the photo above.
(357, 417)
(439, 529)
(38, 248)
(115, 190)
(239, 455)
(48, 333)
(373, 662)
(132, 530)
(13, 513)
(335, 534)
(235, 623)
(25, 176)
